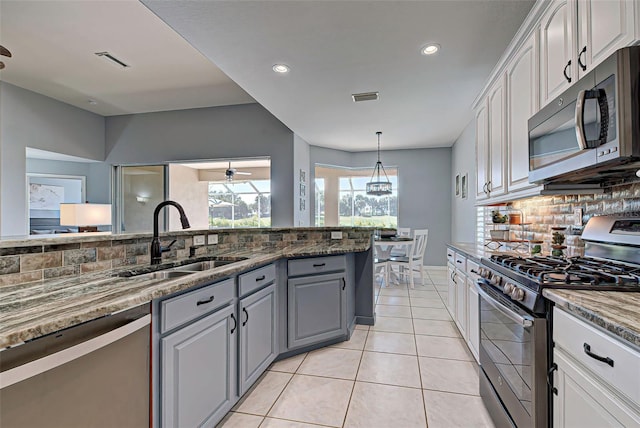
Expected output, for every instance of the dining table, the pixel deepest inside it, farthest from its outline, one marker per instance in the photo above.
(383, 246)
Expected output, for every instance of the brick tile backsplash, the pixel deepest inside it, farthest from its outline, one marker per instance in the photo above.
(545, 212)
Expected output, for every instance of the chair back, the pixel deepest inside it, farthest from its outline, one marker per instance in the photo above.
(403, 231)
(419, 243)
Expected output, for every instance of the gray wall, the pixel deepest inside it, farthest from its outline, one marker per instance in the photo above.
(463, 211)
(32, 120)
(424, 189)
(246, 130)
(301, 162)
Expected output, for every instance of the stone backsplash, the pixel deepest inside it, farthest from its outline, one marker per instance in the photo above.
(546, 212)
(25, 263)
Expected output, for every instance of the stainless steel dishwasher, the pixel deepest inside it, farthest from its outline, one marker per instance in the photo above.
(95, 374)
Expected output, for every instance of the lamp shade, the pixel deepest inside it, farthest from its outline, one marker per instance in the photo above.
(85, 214)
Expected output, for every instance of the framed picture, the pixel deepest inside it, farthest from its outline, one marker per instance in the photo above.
(464, 185)
(302, 204)
(303, 189)
(457, 185)
(303, 176)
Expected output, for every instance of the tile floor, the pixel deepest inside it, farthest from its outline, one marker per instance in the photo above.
(412, 369)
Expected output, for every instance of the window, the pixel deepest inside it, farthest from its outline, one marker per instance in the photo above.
(240, 204)
(341, 198)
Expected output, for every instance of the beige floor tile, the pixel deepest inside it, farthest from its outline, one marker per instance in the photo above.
(288, 365)
(446, 410)
(373, 405)
(390, 369)
(440, 314)
(357, 340)
(313, 399)
(425, 294)
(393, 311)
(393, 324)
(240, 420)
(444, 296)
(396, 343)
(395, 291)
(435, 328)
(281, 423)
(421, 302)
(393, 300)
(263, 394)
(442, 288)
(362, 327)
(460, 377)
(443, 347)
(332, 362)
(427, 286)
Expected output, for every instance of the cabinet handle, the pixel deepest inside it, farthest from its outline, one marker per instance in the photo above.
(565, 71)
(344, 283)
(260, 278)
(484, 188)
(459, 261)
(235, 323)
(474, 271)
(319, 265)
(583, 51)
(204, 302)
(489, 186)
(553, 368)
(587, 350)
(246, 314)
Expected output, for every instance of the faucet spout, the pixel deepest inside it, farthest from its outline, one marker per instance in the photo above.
(156, 248)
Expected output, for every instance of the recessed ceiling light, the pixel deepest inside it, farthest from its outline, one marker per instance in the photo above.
(92, 101)
(430, 49)
(281, 68)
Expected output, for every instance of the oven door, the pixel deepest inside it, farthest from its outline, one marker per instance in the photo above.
(513, 357)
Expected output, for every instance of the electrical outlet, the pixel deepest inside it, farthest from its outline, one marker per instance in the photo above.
(198, 240)
(336, 235)
(577, 216)
(212, 239)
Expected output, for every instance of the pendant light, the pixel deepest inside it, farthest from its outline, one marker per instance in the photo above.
(378, 187)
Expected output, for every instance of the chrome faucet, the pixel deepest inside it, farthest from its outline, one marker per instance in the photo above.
(156, 248)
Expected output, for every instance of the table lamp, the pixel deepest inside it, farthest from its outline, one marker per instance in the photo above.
(87, 217)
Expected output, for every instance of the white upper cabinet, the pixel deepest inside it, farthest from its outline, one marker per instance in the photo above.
(557, 49)
(497, 140)
(603, 27)
(482, 152)
(522, 102)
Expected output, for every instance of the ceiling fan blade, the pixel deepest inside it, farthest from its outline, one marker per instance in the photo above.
(242, 173)
(4, 51)
(1, 65)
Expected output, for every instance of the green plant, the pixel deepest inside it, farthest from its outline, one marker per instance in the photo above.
(496, 217)
(536, 249)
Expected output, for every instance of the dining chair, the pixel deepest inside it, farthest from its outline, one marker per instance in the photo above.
(415, 260)
(401, 251)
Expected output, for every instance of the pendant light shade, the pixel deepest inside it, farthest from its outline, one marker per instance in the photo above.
(376, 186)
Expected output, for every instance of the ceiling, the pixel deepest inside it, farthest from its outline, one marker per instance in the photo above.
(334, 49)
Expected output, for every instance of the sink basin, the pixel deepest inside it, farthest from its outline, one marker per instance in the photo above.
(165, 274)
(207, 264)
(182, 270)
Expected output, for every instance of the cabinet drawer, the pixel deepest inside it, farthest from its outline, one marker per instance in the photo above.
(472, 269)
(256, 279)
(316, 265)
(451, 255)
(461, 262)
(571, 335)
(189, 306)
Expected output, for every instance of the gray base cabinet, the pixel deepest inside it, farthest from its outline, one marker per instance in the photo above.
(317, 308)
(198, 371)
(258, 338)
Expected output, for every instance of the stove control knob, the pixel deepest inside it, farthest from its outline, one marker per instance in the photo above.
(496, 280)
(508, 288)
(517, 294)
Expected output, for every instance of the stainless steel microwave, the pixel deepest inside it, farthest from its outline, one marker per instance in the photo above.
(591, 133)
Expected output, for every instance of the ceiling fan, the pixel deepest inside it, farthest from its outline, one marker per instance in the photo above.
(231, 172)
(4, 52)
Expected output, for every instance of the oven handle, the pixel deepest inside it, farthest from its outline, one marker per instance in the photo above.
(525, 322)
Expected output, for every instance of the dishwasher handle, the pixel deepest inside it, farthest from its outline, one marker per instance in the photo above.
(34, 368)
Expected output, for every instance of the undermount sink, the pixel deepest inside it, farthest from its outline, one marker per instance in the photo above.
(170, 272)
(200, 266)
(165, 274)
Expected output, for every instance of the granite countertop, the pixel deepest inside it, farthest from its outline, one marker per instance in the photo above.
(475, 251)
(617, 312)
(32, 310)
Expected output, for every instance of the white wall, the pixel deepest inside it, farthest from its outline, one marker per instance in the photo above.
(192, 194)
(246, 130)
(463, 211)
(301, 162)
(424, 199)
(32, 120)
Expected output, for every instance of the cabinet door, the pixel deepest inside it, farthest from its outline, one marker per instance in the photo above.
(199, 371)
(258, 338)
(473, 303)
(497, 140)
(482, 152)
(581, 401)
(317, 309)
(557, 52)
(604, 27)
(461, 303)
(451, 295)
(522, 76)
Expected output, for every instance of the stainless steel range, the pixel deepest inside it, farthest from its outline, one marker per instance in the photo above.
(515, 320)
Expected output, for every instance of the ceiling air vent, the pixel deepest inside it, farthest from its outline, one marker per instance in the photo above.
(365, 96)
(112, 59)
